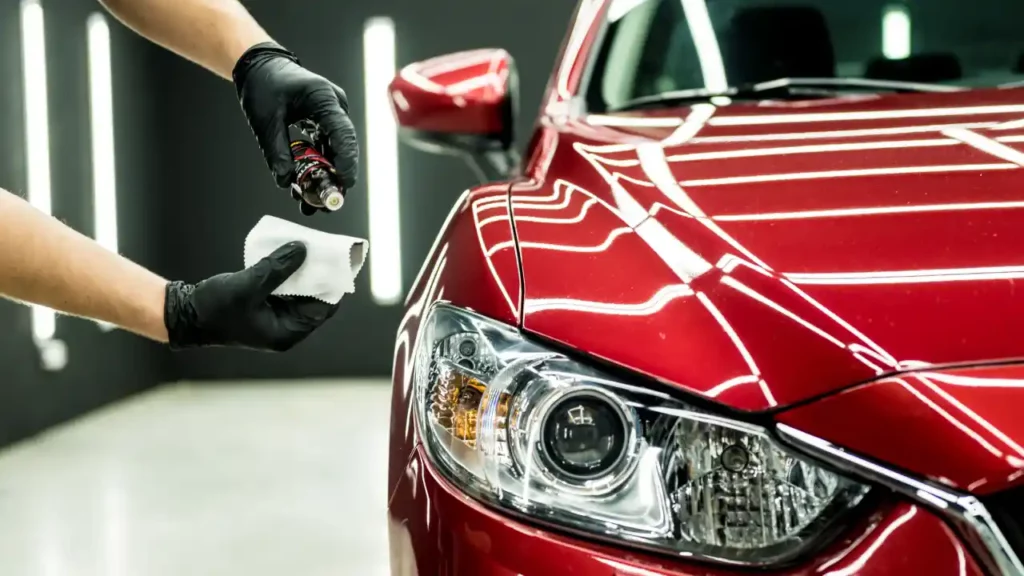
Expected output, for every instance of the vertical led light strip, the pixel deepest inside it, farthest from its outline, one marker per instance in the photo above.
(37, 135)
(896, 32)
(101, 107)
(382, 162)
(101, 115)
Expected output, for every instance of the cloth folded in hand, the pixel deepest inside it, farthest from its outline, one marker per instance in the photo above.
(332, 261)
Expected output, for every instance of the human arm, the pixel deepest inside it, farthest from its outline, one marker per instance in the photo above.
(275, 91)
(44, 262)
(211, 33)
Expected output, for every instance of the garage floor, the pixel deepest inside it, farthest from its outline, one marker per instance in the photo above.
(253, 480)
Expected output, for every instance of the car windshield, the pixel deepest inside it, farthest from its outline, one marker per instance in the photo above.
(665, 51)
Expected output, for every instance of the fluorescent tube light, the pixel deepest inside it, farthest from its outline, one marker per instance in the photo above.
(101, 107)
(101, 115)
(896, 32)
(382, 162)
(37, 135)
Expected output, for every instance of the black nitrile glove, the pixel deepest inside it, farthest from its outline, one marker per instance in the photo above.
(238, 309)
(275, 92)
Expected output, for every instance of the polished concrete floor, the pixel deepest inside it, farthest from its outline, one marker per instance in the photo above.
(262, 479)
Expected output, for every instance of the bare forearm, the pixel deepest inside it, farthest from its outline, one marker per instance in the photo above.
(44, 262)
(211, 33)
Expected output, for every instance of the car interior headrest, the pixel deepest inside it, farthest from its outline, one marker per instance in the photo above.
(932, 67)
(765, 43)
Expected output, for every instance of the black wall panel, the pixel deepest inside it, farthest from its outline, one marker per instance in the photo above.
(102, 366)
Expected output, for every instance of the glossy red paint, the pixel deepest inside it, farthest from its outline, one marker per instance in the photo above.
(775, 243)
(959, 427)
(786, 258)
(462, 93)
(436, 530)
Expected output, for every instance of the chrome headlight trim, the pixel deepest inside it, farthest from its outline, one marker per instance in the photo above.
(469, 423)
(963, 510)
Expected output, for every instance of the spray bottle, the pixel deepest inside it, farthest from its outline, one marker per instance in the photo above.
(315, 177)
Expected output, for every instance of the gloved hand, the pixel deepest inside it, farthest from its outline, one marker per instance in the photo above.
(275, 92)
(238, 309)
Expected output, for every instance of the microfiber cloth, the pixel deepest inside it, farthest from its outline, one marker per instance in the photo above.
(332, 261)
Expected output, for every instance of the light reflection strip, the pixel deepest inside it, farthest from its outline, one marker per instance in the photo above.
(633, 121)
(738, 343)
(562, 247)
(821, 135)
(811, 149)
(862, 560)
(756, 120)
(746, 290)
(987, 145)
(972, 382)
(651, 306)
(679, 257)
(995, 431)
(693, 124)
(730, 384)
(909, 276)
(869, 211)
(1011, 125)
(655, 166)
(950, 418)
(847, 174)
(839, 320)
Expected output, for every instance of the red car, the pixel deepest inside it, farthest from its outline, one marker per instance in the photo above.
(751, 299)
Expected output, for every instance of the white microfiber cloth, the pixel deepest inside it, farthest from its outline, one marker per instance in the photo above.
(332, 261)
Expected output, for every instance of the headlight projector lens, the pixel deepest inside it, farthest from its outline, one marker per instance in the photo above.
(584, 435)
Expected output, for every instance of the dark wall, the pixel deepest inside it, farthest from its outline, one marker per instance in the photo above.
(102, 366)
(191, 183)
(219, 187)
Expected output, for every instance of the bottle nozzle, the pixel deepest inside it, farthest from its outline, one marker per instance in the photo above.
(332, 199)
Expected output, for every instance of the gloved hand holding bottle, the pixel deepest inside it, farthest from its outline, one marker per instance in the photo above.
(278, 96)
(274, 89)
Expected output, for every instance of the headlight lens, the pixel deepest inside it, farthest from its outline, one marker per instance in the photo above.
(522, 427)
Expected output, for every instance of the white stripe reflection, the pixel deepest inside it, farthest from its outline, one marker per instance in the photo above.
(811, 149)
(692, 125)
(738, 343)
(987, 145)
(730, 384)
(847, 174)
(822, 135)
(874, 115)
(744, 289)
(652, 306)
(872, 211)
(561, 247)
(910, 276)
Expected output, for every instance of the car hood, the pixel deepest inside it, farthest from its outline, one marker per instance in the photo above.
(764, 255)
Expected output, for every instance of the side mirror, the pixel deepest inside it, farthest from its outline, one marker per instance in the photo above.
(464, 104)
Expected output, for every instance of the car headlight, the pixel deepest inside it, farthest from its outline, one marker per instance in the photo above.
(532, 431)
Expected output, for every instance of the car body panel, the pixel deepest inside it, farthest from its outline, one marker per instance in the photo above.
(800, 258)
(456, 269)
(455, 93)
(791, 268)
(436, 530)
(959, 427)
